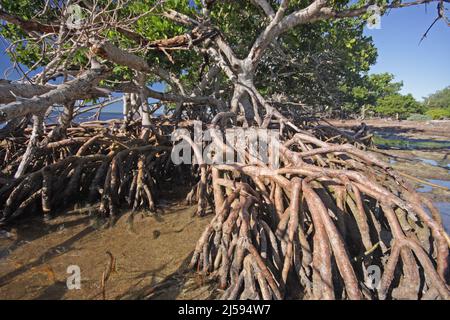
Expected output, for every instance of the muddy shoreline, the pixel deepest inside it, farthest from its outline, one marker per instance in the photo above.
(151, 258)
(420, 150)
(439, 129)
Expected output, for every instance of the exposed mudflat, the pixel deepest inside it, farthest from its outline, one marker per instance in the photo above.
(419, 149)
(151, 257)
(436, 129)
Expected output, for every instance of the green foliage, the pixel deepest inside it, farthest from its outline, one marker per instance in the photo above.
(240, 23)
(366, 93)
(28, 52)
(398, 105)
(324, 64)
(381, 85)
(418, 117)
(438, 104)
(26, 9)
(319, 64)
(439, 99)
(374, 87)
(323, 57)
(439, 113)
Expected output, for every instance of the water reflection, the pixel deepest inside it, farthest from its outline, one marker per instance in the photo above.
(427, 188)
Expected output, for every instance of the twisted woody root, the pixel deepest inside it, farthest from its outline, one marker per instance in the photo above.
(312, 228)
(89, 164)
(309, 229)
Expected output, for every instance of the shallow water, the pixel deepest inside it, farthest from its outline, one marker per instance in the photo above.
(395, 141)
(392, 161)
(389, 140)
(429, 161)
(156, 249)
(427, 188)
(87, 116)
(444, 209)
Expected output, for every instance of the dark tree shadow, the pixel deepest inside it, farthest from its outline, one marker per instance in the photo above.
(169, 288)
(50, 253)
(54, 292)
(35, 229)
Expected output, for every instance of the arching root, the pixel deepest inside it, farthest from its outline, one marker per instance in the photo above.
(321, 226)
(89, 166)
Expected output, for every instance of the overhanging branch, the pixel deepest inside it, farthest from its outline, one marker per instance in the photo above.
(12, 91)
(63, 93)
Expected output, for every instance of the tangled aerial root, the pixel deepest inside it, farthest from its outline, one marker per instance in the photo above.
(90, 164)
(315, 227)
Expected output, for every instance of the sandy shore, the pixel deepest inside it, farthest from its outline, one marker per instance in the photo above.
(440, 128)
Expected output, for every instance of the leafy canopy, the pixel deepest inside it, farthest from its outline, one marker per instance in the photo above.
(439, 99)
(312, 64)
(398, 105)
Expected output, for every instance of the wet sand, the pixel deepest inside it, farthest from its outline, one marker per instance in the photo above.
(150, 260)
(420, 149)
(439, 129)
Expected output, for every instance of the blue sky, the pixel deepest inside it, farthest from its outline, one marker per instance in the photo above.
(423, 68)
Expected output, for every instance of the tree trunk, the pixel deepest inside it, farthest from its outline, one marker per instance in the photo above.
(144, 109)
(64, 122)
(32, 146)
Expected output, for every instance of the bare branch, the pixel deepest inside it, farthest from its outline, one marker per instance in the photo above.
(265, 6)
(28, 25)
(279, 25)
(180, 18)
(11, 91)
(110, 52)
(63, 93)
(171, 97)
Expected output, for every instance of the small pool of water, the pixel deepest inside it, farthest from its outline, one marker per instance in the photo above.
(443, 163)
(392, 161)
(427, 188)
(385, 140)
(424, 188)
(444, 209)
(389, 140)
(429, 161)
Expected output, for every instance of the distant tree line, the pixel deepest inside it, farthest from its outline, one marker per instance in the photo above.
(437, 105)
(379, 96)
